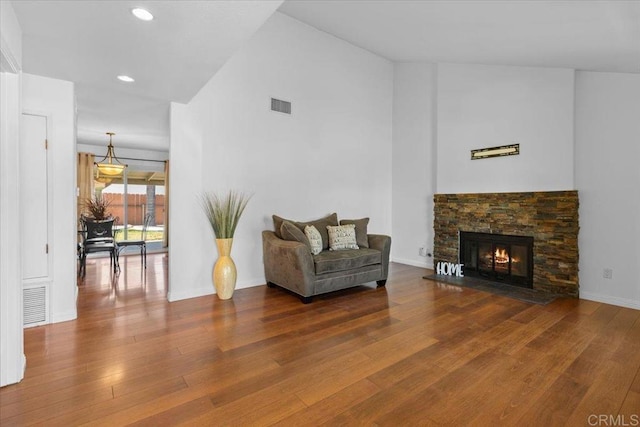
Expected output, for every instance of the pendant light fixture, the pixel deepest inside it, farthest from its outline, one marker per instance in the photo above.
(110, 165)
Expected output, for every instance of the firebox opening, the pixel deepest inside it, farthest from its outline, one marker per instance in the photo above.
(499, 257)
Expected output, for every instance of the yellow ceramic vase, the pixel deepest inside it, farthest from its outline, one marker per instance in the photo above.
(224, 272)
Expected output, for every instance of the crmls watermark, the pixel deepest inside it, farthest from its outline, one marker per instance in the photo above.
(613, 420)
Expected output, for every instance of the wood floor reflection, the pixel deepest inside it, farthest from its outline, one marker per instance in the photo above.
(417, 352)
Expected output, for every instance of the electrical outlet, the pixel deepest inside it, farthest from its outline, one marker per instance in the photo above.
(607, 273)
(422, 251)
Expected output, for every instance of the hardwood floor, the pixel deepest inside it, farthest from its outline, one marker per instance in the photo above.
(414, 353)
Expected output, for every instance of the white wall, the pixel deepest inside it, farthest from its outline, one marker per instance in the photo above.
(483, 106)
(55, 100)
(189, 268)
(12, 360)
(608, 181)
(414, 161)
(333, 153)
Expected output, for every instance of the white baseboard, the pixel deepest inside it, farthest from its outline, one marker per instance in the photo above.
(622, 302)
(413, 263)
(64, 317)
(192, 293)
(250, 283)
(210, 290)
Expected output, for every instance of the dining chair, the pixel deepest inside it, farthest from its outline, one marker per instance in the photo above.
(97, 236)
(123, 244)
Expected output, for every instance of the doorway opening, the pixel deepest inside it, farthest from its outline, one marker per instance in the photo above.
(138, 193)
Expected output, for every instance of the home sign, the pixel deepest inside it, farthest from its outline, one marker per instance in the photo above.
(449, 269)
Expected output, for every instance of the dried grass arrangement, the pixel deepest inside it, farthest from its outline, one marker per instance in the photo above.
(224, 212)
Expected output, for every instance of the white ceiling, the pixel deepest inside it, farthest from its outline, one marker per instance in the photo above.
(173, 56)
(585, 35)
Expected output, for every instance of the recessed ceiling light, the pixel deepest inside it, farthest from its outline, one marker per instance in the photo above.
(126, 79)
(142, 14)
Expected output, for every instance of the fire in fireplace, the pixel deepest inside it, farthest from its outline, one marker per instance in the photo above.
(498, 257)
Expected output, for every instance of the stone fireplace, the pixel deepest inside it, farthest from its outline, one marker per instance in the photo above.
(545, 222)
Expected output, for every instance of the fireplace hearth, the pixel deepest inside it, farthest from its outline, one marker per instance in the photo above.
(502, 258)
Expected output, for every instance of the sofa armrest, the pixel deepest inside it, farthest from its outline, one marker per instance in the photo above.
(288, 264)
(383, 244)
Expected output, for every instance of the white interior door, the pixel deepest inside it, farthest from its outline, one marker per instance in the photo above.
(34, 197)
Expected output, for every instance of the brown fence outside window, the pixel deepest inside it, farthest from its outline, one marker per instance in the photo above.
(137, 208)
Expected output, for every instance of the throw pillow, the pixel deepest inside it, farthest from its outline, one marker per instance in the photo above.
(319, 224)
(277, 224)
(289, 231)
(315, 239)
(342, 237)
(362, 236)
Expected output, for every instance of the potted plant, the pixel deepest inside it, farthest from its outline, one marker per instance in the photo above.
(224, 214)
(97, 207)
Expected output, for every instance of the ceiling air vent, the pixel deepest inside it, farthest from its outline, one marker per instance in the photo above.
(280, 106)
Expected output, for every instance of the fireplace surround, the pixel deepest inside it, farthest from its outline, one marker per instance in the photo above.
(549, 218)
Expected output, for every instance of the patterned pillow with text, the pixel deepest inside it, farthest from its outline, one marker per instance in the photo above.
(342, 237)
(315, 239)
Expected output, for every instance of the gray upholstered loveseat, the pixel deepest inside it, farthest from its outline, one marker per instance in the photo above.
(290, 263)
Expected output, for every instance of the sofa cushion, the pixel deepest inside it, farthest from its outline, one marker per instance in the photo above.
(320, 224)
(333, 261)
(362, 237)
(342, 237)
(315, 239)
(289, 231)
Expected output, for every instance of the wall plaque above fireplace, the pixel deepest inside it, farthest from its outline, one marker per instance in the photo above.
(499, 257)
(503, 150)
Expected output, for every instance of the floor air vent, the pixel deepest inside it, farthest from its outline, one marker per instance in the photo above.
(280, 106)
(34, 305)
